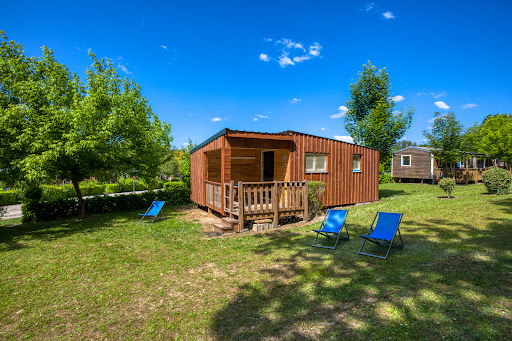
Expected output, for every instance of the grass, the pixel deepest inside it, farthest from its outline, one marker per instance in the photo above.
(109, 278)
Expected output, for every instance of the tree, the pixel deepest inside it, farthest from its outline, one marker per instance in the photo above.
(370, 119)
(404, 144)
(185, 162)
(495, 137)
(171, 167)
(471, 139)
(445, 139)
(54, 126)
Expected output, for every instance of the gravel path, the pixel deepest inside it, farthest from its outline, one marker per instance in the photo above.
(14, 211)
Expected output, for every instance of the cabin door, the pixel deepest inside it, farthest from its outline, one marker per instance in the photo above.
(267, 166)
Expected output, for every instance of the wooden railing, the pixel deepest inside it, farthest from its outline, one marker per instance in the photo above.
(464, 175)
(213, 195)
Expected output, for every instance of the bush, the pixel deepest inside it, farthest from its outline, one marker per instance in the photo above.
(177, 194)
(9, 197)
(316, 190)
(89, 188)
(497, 180)
(113, 188)
(385, 178)
(448, 185)
(32, 193)
(52, 193)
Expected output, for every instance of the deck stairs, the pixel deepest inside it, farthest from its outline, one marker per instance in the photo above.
(227, 225)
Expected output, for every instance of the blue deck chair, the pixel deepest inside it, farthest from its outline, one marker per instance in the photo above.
(384, 232)
(152, 211)
(331, 227)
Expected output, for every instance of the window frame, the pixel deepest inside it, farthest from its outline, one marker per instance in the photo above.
(315, 170)
(359, 169)
(402, 160)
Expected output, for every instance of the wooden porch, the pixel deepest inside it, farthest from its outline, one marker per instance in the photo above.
(258, 200)
(462, 176)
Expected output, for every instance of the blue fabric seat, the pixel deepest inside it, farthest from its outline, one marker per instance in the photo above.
(153, 211)
(332, 226)
(384, 232)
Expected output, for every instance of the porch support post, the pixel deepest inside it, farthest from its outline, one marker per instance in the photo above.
(241, 204)
(305, 199)
(222, 175)
(275, 204)
(231, 198)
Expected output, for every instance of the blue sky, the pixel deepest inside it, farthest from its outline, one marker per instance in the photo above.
(278, 65)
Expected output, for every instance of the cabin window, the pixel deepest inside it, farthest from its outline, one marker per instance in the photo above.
(316, 162)
(406, 160)
(356, 163)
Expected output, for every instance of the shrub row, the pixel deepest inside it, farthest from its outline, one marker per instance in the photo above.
(177, 193)
(9, 197)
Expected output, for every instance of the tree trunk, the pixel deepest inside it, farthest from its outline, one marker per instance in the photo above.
(81, 204)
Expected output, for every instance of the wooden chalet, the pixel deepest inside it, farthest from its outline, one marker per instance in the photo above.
(250, 175)
(419, 164)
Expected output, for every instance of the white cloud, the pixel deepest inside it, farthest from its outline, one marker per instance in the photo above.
(185, 144)
(264, 57)
(216, 119)
(322, 129)
(439, 95)
(295, 100)
(291, 52)
(368, 7)
(89, 50)
(164, 47)
(255, 119)
(403, 138)
(388, 15)
(469, 105)
(342, 110)
(398, 98)
(261, 116)
(284, 61)
(442, 105)
(123, 68)
(300, 59)
(421, 93)
(348, 139)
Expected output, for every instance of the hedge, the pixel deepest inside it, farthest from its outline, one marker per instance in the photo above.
(176, 194)
(9, 197)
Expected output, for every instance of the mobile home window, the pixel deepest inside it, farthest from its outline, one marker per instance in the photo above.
(316, 162)
(356, 163)
(406, 160)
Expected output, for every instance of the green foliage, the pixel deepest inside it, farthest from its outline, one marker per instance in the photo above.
(446, 139)
(113, 188)
(495, 137)
(32, 193)
(51, 125)
(447, 185)
(9, 197)
(185, 162)
(52, 193)
(404, 144)
(385, 178)
(371, 119)
(316, 190)
(497, 180)
(175, 194)
(471, 139)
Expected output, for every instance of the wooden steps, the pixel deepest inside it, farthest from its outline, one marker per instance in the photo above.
(227, 225)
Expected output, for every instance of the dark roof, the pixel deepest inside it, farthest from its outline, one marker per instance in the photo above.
(429, 149)
(283, 133)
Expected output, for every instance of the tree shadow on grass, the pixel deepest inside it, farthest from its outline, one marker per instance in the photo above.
(386, 193)
(16, 237)
(442, 284)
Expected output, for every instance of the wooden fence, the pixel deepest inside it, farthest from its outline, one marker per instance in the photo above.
(213, 195)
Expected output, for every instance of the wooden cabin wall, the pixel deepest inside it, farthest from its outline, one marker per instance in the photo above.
(419, 168)
(198, 171)
(343, 186)
(213, 161)
(246, 164)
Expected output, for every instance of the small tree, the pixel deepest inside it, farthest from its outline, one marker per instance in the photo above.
(370, 119)
(445, 139)
(185, 162)
(448, 185)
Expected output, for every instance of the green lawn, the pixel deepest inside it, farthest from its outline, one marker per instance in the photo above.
(109, 278)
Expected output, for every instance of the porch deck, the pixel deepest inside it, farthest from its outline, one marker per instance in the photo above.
(258, 200)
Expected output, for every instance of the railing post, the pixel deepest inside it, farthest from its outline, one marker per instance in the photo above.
(275, 203)
(305, 198)
(231, 198)
(241, 204)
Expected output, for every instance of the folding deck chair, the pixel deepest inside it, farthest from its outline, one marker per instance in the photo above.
(384, 232)
(331, 227)
(152, 211)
